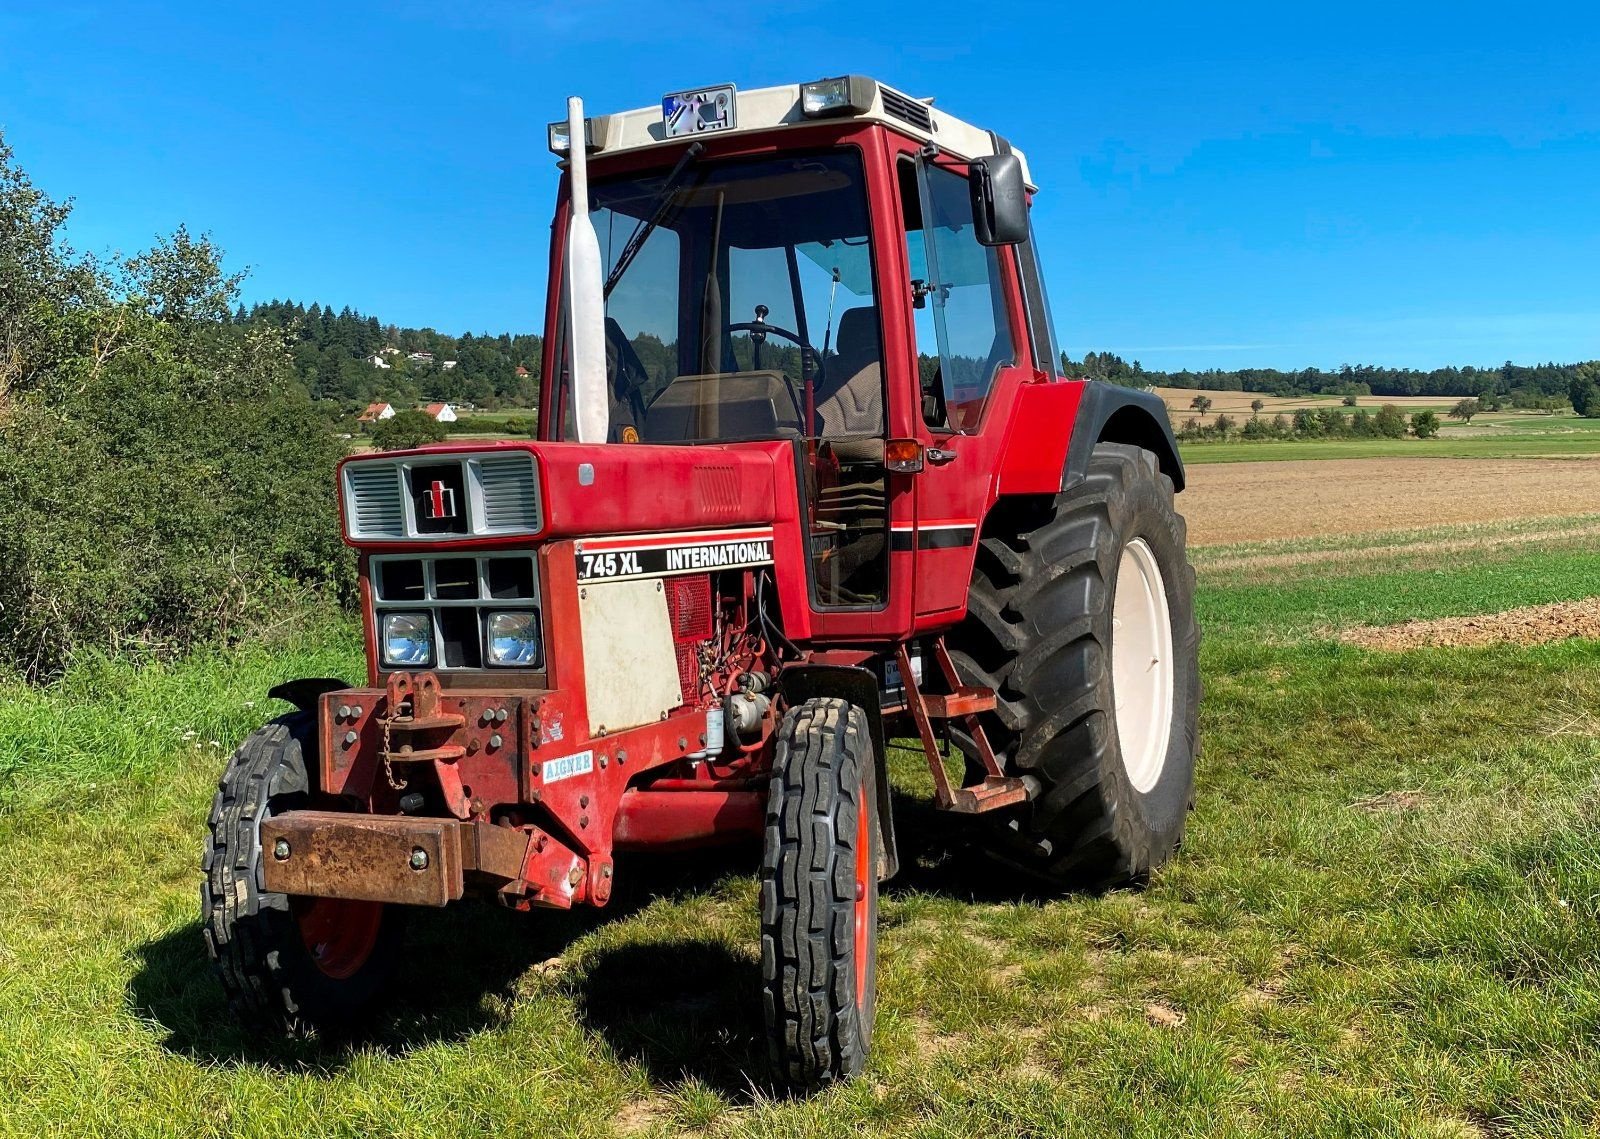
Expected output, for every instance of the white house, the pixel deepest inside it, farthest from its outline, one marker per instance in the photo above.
(442, 412)
(375, 412)
(377, 360)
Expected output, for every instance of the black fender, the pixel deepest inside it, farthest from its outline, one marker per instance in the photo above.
(303, 693)
(1108, 413)
(802, 682)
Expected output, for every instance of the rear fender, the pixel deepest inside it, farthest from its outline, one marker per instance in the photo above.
(1108, 413)
(859, 686)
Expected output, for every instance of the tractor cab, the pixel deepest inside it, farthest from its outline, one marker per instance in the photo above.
(833, 265)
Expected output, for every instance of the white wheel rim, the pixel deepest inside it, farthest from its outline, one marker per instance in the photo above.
(1141, 664)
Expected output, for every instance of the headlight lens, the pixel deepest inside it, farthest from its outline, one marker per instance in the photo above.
(407, 639)
(514, 640)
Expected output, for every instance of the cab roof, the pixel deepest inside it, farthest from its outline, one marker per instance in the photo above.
(766, 108)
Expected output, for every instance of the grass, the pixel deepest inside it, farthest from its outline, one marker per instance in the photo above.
(1385, 920)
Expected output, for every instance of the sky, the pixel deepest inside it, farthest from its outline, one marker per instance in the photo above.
(1227, 185)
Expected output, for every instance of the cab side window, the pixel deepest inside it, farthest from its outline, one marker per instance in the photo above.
(959, 290)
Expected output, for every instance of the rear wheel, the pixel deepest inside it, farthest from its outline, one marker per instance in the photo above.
(287, 963)
(819, 896)
(1081, 618)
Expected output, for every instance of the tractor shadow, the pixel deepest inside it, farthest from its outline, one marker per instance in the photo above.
(460, 973)
(684, 1009)
(942, 853)
(457, 978)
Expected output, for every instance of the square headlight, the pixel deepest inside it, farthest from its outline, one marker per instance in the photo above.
(842, 95)
(513, 639)
(406, 639)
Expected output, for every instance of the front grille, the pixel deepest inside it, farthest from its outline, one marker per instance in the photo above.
(376, 500)
(906, 109)
(457, 592)
(510, 493)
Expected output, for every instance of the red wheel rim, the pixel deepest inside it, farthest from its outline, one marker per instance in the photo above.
(865, 881)
(338, 934)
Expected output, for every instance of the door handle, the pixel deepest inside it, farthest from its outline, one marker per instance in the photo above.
(939, 456)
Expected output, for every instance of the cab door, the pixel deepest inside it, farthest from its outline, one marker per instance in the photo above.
(971, 344)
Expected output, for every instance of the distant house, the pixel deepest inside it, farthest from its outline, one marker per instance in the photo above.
(522, 373)
(448, 364)
(375, 412)
(390, 350)
(442, 412)
(377, 361)
(420, 357)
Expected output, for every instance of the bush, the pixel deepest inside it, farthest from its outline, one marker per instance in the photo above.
(1424, 425)
(166, 480)
(409, 428)
(1390, 422)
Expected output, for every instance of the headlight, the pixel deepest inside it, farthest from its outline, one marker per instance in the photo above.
(844, 95)
(514, 640)
(407, 639)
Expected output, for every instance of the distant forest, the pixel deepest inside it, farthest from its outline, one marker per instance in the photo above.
(333, 353)
(333, 349)
(1535, 382)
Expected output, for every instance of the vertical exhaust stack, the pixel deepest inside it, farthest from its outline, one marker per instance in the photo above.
(586, 306)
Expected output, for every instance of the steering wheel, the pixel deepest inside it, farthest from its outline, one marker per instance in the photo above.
(758, 330)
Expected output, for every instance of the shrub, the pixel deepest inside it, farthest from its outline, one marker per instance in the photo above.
(1424, 425)
(1390, 422)
(167, 482)
(409, 428)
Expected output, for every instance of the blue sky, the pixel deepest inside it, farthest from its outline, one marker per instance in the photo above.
(1274, 185)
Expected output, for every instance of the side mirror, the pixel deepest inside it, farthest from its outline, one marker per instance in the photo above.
(999, 200)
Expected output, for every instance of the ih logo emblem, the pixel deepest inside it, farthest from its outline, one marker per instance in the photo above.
(440, 501)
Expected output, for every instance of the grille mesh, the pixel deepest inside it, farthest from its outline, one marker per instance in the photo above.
(906, 109)
(689, 610)
(377, 502)
(510, 492)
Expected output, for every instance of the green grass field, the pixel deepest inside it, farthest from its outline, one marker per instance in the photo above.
(1385, 920)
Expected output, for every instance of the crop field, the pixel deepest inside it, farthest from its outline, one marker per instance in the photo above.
(1239, 501)
(1385, 918)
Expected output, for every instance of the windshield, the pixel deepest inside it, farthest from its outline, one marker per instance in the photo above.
(747, 310)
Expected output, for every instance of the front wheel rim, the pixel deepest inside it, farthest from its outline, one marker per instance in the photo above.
(338, 934)
(1142, 664)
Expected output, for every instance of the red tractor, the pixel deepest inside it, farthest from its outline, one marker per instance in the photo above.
(808, 478)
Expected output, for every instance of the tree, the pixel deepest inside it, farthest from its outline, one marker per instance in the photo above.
(1424, 424)
(1256, 405)
(1350, 399)
(409, 428)
(1202, 404)
(1223, 425)
(1585, 392)
(1465, 410)
(1390, 422)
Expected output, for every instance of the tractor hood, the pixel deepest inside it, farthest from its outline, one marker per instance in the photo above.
(507, 493)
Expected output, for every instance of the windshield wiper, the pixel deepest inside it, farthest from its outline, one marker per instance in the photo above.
(641, 232)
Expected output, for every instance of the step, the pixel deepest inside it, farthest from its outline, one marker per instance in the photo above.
(964, 701)
(990, 795)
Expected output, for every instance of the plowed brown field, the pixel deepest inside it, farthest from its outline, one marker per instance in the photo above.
(1244, 502)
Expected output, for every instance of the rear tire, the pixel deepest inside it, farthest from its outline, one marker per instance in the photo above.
(1054, 579)
(291, 965)
(819, 896)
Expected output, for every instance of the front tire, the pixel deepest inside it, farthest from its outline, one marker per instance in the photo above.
(289, 964)
(1081, 618)
(819, 896)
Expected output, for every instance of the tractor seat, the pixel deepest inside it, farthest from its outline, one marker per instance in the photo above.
(850, 401)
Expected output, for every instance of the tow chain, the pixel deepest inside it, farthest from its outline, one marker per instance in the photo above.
(388, 764)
